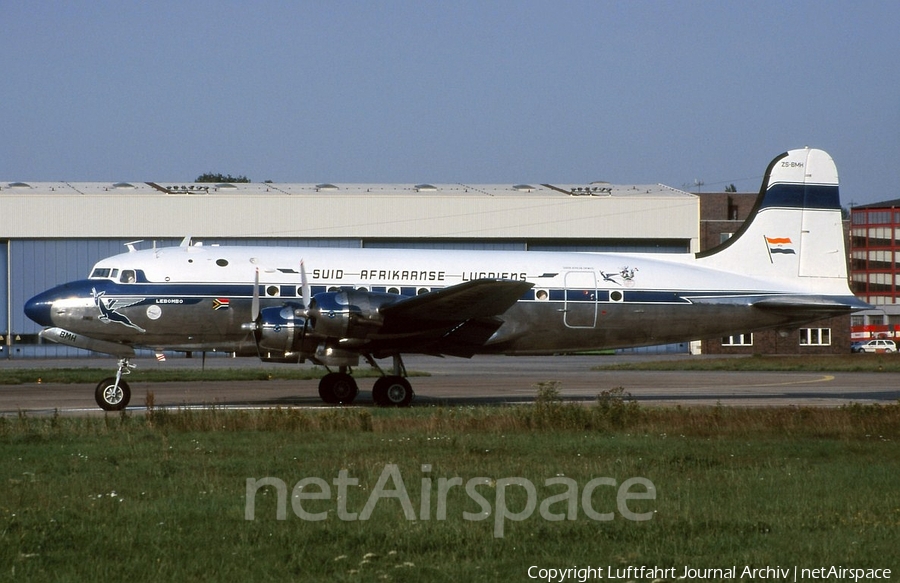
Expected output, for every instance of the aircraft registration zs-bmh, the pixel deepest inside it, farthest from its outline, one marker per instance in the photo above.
(784, 267)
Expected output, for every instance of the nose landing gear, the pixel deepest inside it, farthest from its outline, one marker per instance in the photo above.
(113, 394)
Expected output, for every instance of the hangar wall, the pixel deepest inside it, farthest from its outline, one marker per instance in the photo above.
(62, 210)
(54, 232)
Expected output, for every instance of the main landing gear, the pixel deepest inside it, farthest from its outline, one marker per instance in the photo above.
(336, 388)
(339, 388)
(113, 394)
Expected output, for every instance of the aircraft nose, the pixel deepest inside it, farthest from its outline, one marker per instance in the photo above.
(38, 308)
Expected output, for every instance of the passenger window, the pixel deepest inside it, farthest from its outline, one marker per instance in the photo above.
(127, 276)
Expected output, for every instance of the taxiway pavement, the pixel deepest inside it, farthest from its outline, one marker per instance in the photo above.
(481, 380)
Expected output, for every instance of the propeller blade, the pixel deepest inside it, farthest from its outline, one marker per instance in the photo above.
(304, 286)
(254, 306)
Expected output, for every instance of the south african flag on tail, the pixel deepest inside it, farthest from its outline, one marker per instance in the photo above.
(782, 245)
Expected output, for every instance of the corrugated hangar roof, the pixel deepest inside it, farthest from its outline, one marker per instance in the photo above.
(173, 209)
(254, 188)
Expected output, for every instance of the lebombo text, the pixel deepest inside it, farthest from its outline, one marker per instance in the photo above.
(562, 505)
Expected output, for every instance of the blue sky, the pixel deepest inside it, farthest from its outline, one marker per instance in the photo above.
(477, 92)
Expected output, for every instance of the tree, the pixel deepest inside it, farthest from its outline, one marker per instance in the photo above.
(731, 188)
(215, 177)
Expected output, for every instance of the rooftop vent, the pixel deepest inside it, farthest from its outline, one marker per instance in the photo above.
(325, 186)
(226, 186)
(523, 187)
(426, 188)
(123, 186)
(592, 190)
(19, 185)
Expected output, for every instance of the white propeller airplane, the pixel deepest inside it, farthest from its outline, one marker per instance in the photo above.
(786, 266)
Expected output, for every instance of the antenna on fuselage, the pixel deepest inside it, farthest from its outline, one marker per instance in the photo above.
(131, 244)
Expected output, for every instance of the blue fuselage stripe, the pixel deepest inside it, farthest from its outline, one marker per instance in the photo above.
(191, 293)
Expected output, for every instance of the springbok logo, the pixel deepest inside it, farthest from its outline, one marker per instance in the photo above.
(109, 310)
(626, 273)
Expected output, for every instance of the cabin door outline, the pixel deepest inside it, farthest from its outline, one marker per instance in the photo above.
(580, 308)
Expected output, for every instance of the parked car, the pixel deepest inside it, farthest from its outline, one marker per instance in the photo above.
(874, 346)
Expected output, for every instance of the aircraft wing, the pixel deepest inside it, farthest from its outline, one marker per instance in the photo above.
(474, 299)
(453, 320)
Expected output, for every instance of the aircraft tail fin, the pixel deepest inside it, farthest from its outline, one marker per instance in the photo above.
(795, 231)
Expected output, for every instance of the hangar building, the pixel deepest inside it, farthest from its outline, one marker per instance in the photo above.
(52, 232)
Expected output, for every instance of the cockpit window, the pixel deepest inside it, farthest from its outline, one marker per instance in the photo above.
(127, 276)
(106, 273)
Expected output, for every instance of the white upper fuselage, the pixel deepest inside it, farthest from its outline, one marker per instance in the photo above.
(426, 269)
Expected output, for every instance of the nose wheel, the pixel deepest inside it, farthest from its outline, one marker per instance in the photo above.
(113, 394)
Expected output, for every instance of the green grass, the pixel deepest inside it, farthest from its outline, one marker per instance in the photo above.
(162, 496)
(808, 363)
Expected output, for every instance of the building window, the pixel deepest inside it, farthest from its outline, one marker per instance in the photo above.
(738, 340)
(815, 336)
(879, 217)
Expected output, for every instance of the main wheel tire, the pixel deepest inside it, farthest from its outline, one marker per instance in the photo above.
(110, 397)
(338, 388)
(392, 391)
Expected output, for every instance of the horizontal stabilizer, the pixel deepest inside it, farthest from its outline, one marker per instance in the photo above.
(796, 304)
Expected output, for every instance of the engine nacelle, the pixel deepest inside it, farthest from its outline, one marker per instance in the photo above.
(346, 317)
(280, 330)
(347, 314)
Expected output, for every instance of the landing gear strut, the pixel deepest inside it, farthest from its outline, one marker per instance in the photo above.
(113, 394)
